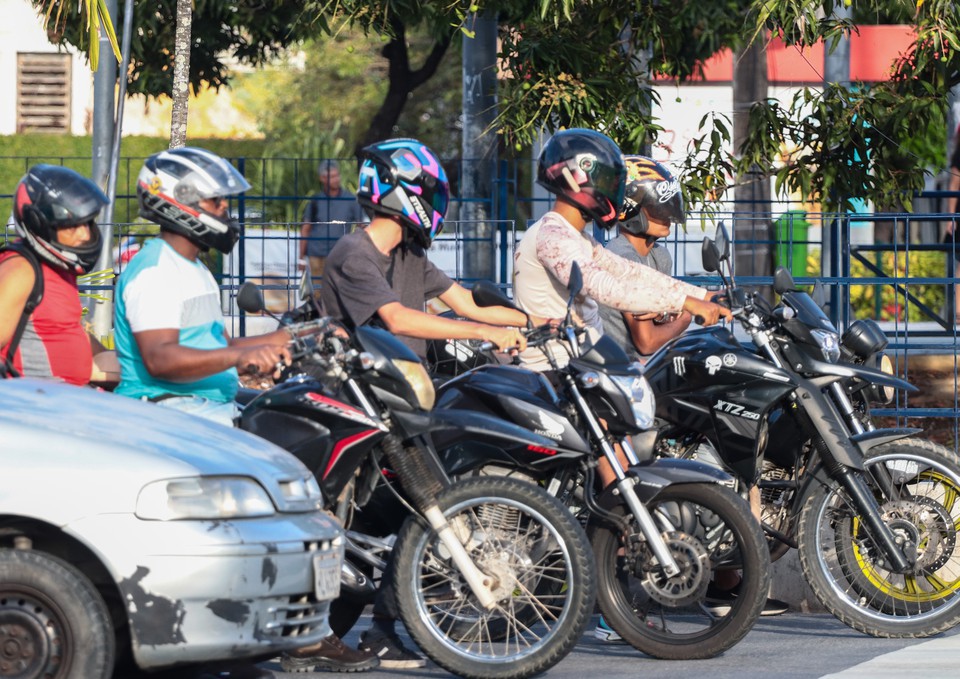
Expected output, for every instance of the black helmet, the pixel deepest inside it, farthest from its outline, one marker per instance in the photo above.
(50, 197)
(404, 178)
(651, 190)
(584, 168)
(171, 185)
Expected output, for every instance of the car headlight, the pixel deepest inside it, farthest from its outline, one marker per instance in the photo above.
(203, 497)
(640, 395)
(829, 343)
(418, 379)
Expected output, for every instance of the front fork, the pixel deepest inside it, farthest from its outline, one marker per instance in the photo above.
(625, 486)
(863, 498)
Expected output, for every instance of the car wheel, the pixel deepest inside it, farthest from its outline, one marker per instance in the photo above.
(53, 622)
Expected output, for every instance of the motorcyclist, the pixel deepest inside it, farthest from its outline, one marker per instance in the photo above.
(41, 331)
(586, 171)
(380, 274)
(170, 332)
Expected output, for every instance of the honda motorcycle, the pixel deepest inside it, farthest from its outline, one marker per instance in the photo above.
(873, 512)
(661, 531)
(494, 578)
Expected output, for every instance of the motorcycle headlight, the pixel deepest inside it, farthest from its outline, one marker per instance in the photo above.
(638, 392)
(883, 393)
(829, 343)
(203, 497)
(418, 379)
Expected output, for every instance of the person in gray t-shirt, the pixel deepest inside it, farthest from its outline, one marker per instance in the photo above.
(652, 204)
(329, 215)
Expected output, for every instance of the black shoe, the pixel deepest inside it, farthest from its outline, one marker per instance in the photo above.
(719, 602)
(329, 655)
(391, 651)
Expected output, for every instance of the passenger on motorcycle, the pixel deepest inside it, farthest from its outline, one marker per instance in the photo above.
(41, 330)
(653, 202)
(170, 332)
(586, 171)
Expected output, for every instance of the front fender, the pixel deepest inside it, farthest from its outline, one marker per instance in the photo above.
(654, 476)
(877, 437)
(467, 422)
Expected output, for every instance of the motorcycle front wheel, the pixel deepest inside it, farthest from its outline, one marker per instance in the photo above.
(538, 559)
(917, 485)
(708, 528)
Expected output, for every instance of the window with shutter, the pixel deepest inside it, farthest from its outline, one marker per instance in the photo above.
(43, 92)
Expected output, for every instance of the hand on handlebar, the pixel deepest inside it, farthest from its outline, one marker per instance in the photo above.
(504, 339)
(706, 313)
(265, 359)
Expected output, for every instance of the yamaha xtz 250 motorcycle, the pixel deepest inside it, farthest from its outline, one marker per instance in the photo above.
(873, 512)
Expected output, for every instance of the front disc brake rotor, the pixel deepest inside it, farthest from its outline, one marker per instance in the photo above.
(686, 587)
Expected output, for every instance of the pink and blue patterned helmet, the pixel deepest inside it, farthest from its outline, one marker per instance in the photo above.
(404, 178)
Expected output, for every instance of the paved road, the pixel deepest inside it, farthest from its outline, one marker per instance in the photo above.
(791, 646)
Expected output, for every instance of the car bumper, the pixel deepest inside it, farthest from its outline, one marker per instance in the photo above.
(196, 591)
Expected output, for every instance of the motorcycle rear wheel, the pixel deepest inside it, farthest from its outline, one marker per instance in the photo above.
(845, 569)
(711, 528)
(527, 541)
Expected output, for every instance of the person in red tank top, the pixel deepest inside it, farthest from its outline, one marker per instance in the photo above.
(55, 211)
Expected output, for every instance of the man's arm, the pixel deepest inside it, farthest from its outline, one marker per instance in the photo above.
(16, 284)
(461, 301)
(165, 358)
(401, 320)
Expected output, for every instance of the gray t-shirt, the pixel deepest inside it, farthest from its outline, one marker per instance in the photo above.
(331, 219)
(359, 279)
(613, 323)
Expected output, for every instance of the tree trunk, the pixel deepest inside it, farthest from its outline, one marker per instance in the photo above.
(751, 225)
(403, 81)
(180, 93)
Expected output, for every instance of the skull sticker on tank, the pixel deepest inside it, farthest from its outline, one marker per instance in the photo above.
(713, 364)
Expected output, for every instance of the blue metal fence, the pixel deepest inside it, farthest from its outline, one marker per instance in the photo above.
(906, 280)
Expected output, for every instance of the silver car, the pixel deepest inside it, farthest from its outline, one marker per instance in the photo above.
(124, 525)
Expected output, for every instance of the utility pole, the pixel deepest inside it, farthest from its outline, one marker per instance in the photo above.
(836, 70)
(104, 83)
(479, 145)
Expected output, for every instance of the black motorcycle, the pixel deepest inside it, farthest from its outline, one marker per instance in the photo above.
(873, 512)
(493, 576)
(659, 532)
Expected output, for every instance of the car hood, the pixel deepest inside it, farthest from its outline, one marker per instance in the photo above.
(92, 438)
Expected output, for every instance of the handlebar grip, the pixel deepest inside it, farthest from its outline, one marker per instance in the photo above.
(698, 319)
(251, 368)
(487, 346)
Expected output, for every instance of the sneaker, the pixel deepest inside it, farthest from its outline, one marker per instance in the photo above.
(604, 633)
(390, 650)
(719, 602)
(329, 655)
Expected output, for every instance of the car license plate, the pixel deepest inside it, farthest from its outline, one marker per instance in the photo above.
(326, 576)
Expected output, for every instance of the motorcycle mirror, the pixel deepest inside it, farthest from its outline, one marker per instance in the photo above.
(487, 294)
(250, 298)
(819, 294)
(710, 255)
(723, 242)
(575, 284)
(306, 285)
(783, 281)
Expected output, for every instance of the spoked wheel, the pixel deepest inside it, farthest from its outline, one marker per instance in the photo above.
(846, 569)
(707, 528)
(537, 561)
(53, 623)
